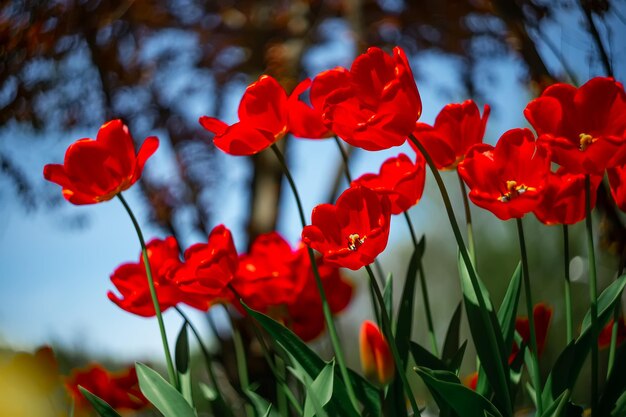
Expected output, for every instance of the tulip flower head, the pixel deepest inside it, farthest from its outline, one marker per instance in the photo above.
(120, 390)
(564, 198)
(617, 181)
(209, 267)
(132, 283)
(542, 314)
(352, 232)
(376, 360)
(399, 179)
(604, 338)
(262, 120)
(305, 121)
(507, 179)
(278, 281)
(374, 105)
(458, 127)
(585, 128)
(97, 170)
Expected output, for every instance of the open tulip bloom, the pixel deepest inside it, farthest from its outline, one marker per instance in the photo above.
(288, 293)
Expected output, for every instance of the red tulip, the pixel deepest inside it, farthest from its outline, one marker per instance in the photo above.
(471, 381)
(306, 317)
(457, 127)
(352, 232)
(376, 360)
(604, 338)
(564, 198)
(266, 275)
(584, 127)
(507, 180)
(374, 105)
(119, 390)
(305, 121)
(399, 179)
(542, 314)
(131, 282)
(262, 120)
(275, 279)
(97, 170)
(209, 267)
(617, 181)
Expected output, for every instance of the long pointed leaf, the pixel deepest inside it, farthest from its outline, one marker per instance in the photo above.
(161, 394)
(181, 359)
(492, 354)
(313, 364)
(102, 407)
(570, 362)
(451, 343)
(464, 401)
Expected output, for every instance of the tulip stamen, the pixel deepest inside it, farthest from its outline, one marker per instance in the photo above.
(585, 141)
(354, 241)
(514, 190)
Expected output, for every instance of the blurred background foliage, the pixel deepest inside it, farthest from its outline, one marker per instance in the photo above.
(158, 65)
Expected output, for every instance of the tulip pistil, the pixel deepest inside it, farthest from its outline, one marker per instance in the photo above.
(354, 241)
(514, 190)
(585, 141)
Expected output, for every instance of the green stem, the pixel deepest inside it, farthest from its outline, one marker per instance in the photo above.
(468, 219)
(328, 315)
(205, 352)
(344, 156)
(266, 354)
(613, 346)
(486, 321)
(593, 298)
(535, 373)
(568, 291)
(387, 331)
(155, 301)
(281, 399)
(429, 316)
(242, 365)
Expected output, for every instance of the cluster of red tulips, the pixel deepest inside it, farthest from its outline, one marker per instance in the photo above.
(292, 294)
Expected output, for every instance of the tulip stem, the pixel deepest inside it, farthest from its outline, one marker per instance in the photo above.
(613, 345)
(468, 219)
(242, 365)
(429, 316)
(207, 355)
(568, 290)
(344, 156)
(486, 321)
(388, 332)
(328, 315)
(535, 373)
(155, 301)
(593, 298)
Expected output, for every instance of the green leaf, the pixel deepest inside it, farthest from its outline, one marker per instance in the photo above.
(388, 296)
(464, 401)
(102, 407)
(262, 407)
(161, 394)
(404, 324)
(492, 355)
(313, 365)
(395, 403)
(181, 360)
(559, 407)
(508, 309)
(620, 407)
(320, 392)
(424, 358)
(451, 344)
(615, 384)
(454, 364)
(568, 365)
